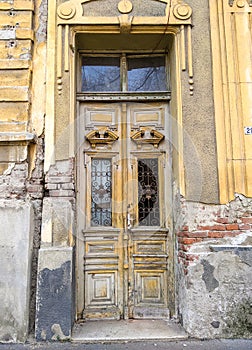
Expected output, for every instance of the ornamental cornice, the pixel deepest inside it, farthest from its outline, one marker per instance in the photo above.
(74, 12)
(240, 3)
(173, 16)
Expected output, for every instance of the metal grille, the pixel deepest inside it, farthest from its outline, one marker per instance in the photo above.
(101, 192)
(148, 196)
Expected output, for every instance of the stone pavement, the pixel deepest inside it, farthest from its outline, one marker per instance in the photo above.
(158, 345)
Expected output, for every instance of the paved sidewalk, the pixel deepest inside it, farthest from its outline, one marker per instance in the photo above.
(160, 345)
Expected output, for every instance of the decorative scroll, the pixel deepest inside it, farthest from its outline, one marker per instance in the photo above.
(148, 196)
(147, 136)
(101, 136)
(177, 14)
(101, 192)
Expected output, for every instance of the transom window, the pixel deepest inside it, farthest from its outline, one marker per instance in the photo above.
(132, 73)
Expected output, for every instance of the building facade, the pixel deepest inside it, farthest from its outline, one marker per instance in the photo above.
(126, 165)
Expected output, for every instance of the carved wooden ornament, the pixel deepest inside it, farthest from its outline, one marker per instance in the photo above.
(147, 136)
(102, 136)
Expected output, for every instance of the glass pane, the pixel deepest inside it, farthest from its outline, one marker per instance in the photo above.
(101, 192)
(148, 196)
(147, 74)
(100, 74)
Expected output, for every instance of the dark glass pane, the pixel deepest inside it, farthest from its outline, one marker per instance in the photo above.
(148, 196)
(147, 74)
(101, 192)
(100, 74)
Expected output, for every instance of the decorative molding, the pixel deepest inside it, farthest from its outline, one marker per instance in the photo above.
(102, 136)
(125, 6)
(147, 136)
(178, 14)
(67, 10)
(182, 11)
(232, 74)
(125, 24)
(13, 138)
(240, 3)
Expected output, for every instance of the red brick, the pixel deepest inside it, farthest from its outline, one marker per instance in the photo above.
(246, 214)
(181, 234)
(232, 233)
(191, 257)
(247, 220)
(197, 234)
(219, 227)
(183, 247)
(185, 228)
(187, 240)
(181, 254)
(231, 227)
(222, 220)
(216, 234)
(244, 227)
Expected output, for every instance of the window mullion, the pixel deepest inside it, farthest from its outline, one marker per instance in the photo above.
(124, 78)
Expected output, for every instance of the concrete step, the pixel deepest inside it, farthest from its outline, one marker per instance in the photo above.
(127, 330)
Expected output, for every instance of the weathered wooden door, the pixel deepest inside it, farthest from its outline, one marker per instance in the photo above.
(125, 244)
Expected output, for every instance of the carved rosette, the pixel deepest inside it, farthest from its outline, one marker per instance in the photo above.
(182, 11)
(67, 10)
(125, 6)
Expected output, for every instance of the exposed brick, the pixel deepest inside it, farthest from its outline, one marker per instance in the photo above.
(51, 186)
(222, 220)
(191, 257)
(187, 240)
(61, 193)
(181, 234)
(183, 247)
(197, 234)
(231, 227)
(67, 186)
(34, 188)
(219, 227)
(244, 227)
(59, 179)
(232, 233)
(216, 234)
(247, 220)
(182, 254)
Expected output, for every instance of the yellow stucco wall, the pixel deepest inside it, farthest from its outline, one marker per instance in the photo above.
(232, 79)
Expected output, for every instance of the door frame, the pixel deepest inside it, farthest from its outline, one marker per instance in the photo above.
(176, 141)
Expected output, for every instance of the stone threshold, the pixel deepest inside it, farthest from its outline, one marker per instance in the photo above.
(127, 330)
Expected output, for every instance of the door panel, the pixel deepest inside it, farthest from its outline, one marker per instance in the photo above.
(101, 262)
(124, 183)
(149, 264)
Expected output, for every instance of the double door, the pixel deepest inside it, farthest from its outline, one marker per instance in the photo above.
(124, 243)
